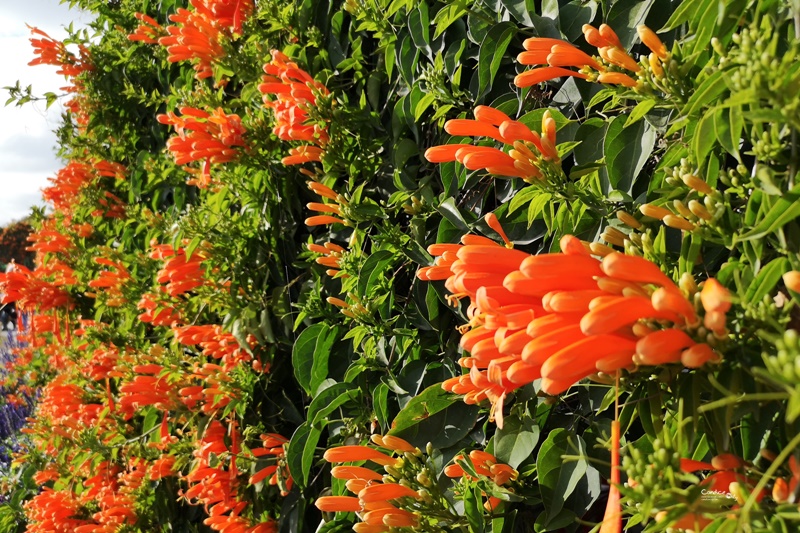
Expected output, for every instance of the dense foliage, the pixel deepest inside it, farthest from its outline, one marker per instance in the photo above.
(416, 266)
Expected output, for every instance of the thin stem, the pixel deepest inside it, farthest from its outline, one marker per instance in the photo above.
(756, 397)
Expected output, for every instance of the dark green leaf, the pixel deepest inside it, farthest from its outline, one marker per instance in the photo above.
(374, 270)
(516, 441)
(704, 138)
(787, 208)
(558, 476)
(627, 151)
(491, 53)
(708, 91)
(310, 355)
(328, 400)
(766, 280)
(449, 210)
(435, 416)
(639, 111)
(300, 452)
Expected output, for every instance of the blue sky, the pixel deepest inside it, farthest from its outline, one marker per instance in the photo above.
(27, 142)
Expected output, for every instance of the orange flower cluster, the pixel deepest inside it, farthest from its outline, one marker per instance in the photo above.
(215, 343)
(54, 511)
(203, 136)
(215, 488)
(111, 280)
(295, 93)
(212, 395)
(52, 52)
(487, 466)
(157, 310)
(180, 274)
(148, 31)
(525, 158)
(334, 207)
(728, 469)
(111, 206)
(330, 253)
(68, 183)
(49, 239)
(40, 289)
(562, 316)
(102, 363)
(374, 497)
(278, 473)
(112, 491)
(148, 387)
(557, 54)
(197, 34)
(63, 407)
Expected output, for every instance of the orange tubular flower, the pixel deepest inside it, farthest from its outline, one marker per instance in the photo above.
(560, 317)
(551, 56)
(651, 41)
(335, 504)
(331, 255)
(529, 154)
(149, 31)
(295, 92)
(326, 192)
(196, 35)
(215, 343)
(52, 52)
(203, 136)
(346, 454)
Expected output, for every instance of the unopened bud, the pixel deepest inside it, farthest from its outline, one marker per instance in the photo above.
(674, 221)
(654, 211)
(681, 208)
(696, 183)
(699, 210)
(628, 220)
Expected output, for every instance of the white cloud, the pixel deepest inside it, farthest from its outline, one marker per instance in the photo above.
(27, 144)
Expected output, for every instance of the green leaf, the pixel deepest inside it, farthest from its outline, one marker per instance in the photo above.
(766, 280)
(516, 441)
(537, 205)
(435, 416)
(310, 355)
(449, 210)
(423, 104)
(491, 53)
(639, 111)
(723, 132)
(328, 400)
(708, 91)
(404, 150)
(685, 12)
(375, 269)
(521, 10)
(573, 15)
(625, 15)
(627, 151)
(447, 16)
(420, 27)
(787, 208)
(522, 197)
(300, 452)
(703, 139)
(706, 18)
(558, 476)
(473, 509)
(380, 402)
